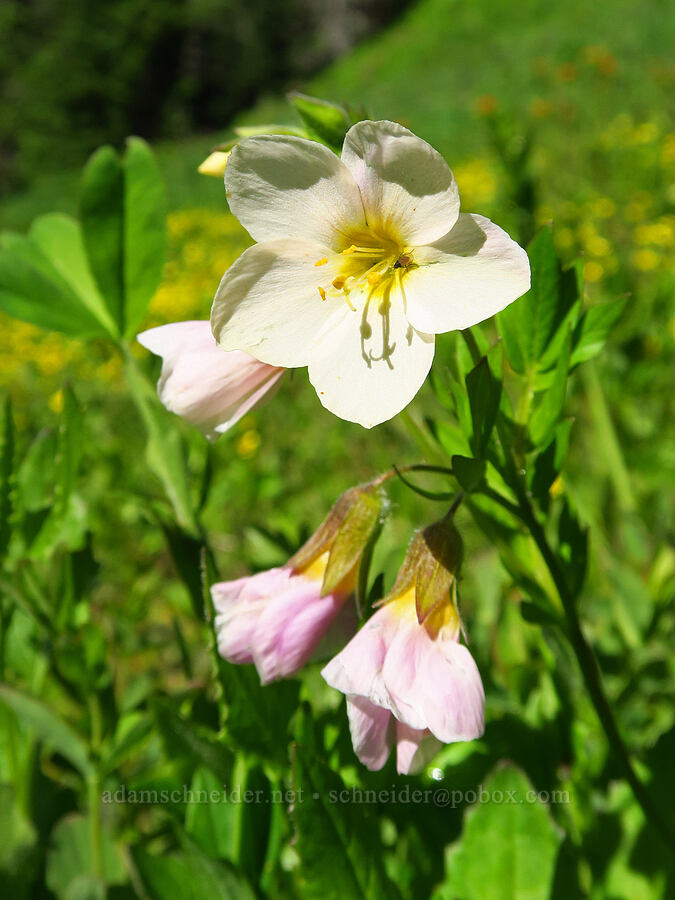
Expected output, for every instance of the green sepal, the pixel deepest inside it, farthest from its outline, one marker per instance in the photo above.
(345, 532)
(431, 564)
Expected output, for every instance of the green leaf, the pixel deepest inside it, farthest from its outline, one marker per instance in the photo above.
(338, 842)
(102, 217)
(71, 871)
(573, 545)
(189, 875)
(484, 392)
(186, 552)
(183, 739)
(132, 730)
(528, 325)
(164, 449)
(545, 418)
(468, 472)
(18, 845)
(234, 827)
(123, 211)
(509, 844)
(548, 464)
(33, 290)
(215, 827)
(257, 716)
(144, 231)
(59, 237)
(593, 329)
(65, 522)
(7, 447)
(327, 121)
(56, 733)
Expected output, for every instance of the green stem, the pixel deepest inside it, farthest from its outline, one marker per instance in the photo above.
(94, 805)
(606, 438)
(592, 674)
(94, 784)
(582, 649)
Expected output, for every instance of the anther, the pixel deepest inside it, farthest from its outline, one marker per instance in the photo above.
(322, 261)
(321, 291)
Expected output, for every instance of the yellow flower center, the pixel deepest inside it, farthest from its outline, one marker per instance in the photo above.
(369, 271)
(443, 621)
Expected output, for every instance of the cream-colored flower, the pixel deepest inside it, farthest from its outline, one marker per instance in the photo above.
(361, 260)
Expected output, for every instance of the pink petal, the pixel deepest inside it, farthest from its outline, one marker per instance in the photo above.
(409, 646)
(207, 386)
(357, 669)
(291, 626)
(450, 693)
(414, 749)
(371, 730)
(238, 606)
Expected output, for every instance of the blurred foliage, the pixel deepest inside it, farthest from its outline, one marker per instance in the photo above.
(115, 67)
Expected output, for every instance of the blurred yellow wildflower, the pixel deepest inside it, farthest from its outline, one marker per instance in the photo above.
(645, 260)
(593, 271)
(248, 443)
(477, 181)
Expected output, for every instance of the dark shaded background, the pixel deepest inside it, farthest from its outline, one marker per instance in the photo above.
(76, 73)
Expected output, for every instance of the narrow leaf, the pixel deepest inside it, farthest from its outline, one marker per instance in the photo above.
(338, 842)
(102, 217)
(56, 733)
(484, 392)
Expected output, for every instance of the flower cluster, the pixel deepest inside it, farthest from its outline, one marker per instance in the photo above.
(360, 261)
(406, 677)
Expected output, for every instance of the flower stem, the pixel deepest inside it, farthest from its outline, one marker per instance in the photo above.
(583, 651)
(592, 674)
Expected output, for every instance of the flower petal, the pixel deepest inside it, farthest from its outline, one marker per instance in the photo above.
(269, 305)
(357, 668)
(201, 382)
(281, 186)
(291, 626)
(414, 749)
(372, 732)
(407, 187)
(450, 692)
(467, 276)
(237, 608)
(369, 363)
(407, 648)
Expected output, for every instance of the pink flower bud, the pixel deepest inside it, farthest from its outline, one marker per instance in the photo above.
(418, 673)
(207, 386)
(277, 619)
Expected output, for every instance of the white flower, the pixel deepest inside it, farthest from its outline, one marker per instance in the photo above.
(202, 383)
(360, 262)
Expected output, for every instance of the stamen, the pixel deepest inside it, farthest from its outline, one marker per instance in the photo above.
(322, 261)
(374, 278)
(339, 282)
(321, 291)
(364, 251)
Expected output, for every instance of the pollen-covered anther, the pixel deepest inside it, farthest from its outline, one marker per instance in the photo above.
(374, 278)
(322, 261)
(321, 291)
(339, 282)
